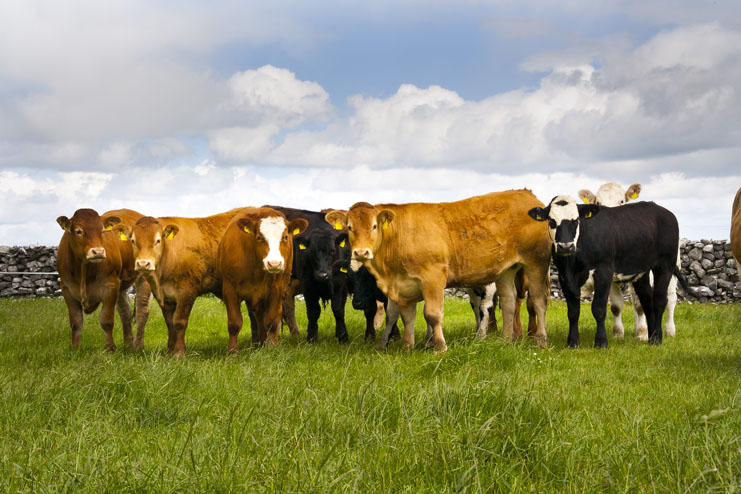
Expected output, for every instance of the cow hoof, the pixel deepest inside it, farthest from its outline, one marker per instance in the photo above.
(642, 334)
(541, 341)
(381, 346)
(670, 331)
(441, 348)
(481, 335)
(572, 344)
(110, 348)
(618, 334)
(600, 344)
(178, 354)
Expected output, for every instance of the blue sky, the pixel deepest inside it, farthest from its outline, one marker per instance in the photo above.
(191, 108)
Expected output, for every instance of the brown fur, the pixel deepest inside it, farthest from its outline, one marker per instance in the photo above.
(472, 242)
(244, 277)
(85, 284)
(185, 265)
(736, 228)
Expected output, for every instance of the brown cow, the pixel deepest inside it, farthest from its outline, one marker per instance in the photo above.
(255, 257)
(95, 266)
(177, 256)
(736, 228)
(415, 250)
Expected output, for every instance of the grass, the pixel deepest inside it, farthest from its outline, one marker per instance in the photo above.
(483, 417)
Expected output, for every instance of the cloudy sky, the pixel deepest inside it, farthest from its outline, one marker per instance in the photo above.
(192, 107)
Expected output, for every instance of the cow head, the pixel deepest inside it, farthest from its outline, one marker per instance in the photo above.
(319, 250)
(610, 195)
(148, 239)
(85, 232)
(364, 285)
(272, 237)
(563, 215)
(365, 225)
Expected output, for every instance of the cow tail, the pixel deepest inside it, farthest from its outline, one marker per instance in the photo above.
(683, 282)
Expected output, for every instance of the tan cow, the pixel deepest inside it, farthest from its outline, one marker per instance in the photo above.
(95, 267)
(177, 256)
(415, 250)
(255, 257)
(736, 228)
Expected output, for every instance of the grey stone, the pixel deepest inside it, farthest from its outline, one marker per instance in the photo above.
(696, 267)
(710, 282)
(704, 291)
(708, 248)
(706, 264)
(695, 254)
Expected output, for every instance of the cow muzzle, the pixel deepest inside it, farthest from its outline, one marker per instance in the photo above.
(565, 248)
(144, 265)
(273, 265)
(95, 254)
(362, 255)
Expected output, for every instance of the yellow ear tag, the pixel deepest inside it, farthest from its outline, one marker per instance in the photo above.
(588, 215)
(247, 230)
(108, 228)
(123, 237)
(171, 236)
(337, 226)
(540, 218)
(634, 196)
(301, 247)
(385, 225)
(585, 199)
(342, 244)
(344, 270)
(296, 231)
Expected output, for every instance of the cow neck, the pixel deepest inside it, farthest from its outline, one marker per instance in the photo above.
(83, 284)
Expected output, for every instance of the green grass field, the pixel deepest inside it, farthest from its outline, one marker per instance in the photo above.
(483, 417)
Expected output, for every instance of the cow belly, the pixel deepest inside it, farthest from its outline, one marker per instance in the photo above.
(403, 291)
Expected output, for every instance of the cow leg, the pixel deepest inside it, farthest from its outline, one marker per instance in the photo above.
(141, 309)
(233, 316)
(289, 314)
(379, 317)
(433, 292)
(616, 307)
(517, 319)
(475, 300)
(492, 305)
(538, 286)
(124, 313)
(370, 329)
(573, 307)
(644, 291)
(602, 283)
(254, 328)
(338, 309)
(506, 291)
(662, 278)
(671, 303)
(641, 325)
(74, 308)
(107, 311)
(392, 315)
(408, 315)
(168, 311)
(313, 311)
(180, 322)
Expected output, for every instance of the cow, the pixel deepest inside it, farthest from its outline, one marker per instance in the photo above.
(624, 242)
(314, 275)
(95, 267)
(415, 250)
(612, 194)
(255, 257)
(736, 228)
(178, 258)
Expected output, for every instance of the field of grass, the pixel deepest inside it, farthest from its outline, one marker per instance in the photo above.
(483, 417)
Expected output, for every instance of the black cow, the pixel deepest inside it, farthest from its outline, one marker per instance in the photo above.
(314, 273)
(627, 241)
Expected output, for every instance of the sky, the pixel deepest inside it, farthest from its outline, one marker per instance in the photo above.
(191, 108)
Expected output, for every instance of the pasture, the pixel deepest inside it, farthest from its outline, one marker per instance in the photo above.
(483, 417)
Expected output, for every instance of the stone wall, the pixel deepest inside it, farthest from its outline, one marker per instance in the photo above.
(708, 266)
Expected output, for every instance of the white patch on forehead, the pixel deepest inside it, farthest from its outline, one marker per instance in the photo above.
(610, 195)
(563, 208)
(272, 229)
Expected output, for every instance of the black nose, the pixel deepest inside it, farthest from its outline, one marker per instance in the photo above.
(567, 247)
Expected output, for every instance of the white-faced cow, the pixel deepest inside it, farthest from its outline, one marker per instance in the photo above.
(95, 267)
(611, 195)
(627, 242)
(254, 262)
(415, 250)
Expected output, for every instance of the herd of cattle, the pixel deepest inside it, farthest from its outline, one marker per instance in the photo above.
(498, 245)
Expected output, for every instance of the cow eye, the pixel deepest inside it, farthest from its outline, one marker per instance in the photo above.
(374, 227)
(133, 242)
(78, 232)
(157, 241)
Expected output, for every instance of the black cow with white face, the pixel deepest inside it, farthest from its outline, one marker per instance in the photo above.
(315, 275)
(626, 241)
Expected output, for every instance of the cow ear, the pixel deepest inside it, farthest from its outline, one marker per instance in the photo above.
(632, 192)
(303, 243)
(64, 223)
(385, 217)
(587, 211)
(341, 240)
(247, 225)
(338, 219)
(587, 196)
(122, 233)
(539, 214)
(110, 222)
(170, 231)
(297, 226)
(341, 265)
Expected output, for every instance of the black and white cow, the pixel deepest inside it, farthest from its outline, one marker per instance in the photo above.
(315, 274)
(626, 241)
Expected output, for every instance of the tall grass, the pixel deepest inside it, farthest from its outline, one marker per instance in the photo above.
(483, 417)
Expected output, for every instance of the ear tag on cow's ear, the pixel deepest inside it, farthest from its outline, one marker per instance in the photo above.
(301, 247)
(538, 217)
(246, 230)
(108, 228)
(171, 235)
(123, 237)
(342, 244)
(634, 196)
(343, 270)
(337, 226)
(588, 215)
(585, 199)
(296, 231)
(385, 225)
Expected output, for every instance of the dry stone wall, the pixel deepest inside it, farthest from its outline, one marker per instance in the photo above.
(708, 266)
